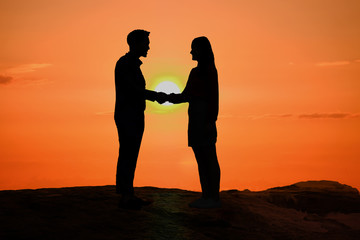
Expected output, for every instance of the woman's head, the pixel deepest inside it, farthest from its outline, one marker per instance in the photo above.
(201, 51)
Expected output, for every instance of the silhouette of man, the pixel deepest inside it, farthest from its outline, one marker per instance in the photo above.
(129, 114)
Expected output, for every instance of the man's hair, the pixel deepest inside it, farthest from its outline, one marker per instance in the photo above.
(137, 36)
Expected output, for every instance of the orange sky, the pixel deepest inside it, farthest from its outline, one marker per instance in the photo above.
(289, 91)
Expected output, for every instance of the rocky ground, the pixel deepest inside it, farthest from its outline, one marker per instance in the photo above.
(307, 210)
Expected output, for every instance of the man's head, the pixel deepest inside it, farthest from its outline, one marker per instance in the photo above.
(138, 41)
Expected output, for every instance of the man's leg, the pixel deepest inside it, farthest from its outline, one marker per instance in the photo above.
(128, 154)
(130, 133)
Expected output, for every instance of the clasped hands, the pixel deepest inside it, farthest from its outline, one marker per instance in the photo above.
(163, 97)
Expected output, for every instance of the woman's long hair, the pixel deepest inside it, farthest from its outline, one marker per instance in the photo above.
(206, 55)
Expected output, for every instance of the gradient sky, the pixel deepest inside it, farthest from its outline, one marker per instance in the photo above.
(289, 77)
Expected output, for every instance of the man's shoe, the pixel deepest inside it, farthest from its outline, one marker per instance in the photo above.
(142, 202)
(130, 203)
(204, 203)
(133, 202)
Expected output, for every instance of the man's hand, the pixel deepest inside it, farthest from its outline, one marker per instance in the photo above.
(161, 97)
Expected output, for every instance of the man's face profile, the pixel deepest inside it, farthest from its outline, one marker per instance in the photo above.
(144, 47)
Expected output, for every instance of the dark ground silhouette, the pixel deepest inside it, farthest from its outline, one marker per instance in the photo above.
(310, 210)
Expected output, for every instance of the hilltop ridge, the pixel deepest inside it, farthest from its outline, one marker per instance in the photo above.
(306, 210)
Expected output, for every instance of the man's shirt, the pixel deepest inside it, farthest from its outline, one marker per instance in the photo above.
(130, 87)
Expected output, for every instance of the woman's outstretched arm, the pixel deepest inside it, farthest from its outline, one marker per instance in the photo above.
(177, 98)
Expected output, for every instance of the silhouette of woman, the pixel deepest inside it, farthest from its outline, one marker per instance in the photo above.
(202, 93)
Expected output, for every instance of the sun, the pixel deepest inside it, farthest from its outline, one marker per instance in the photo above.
(167, 87)
(167, 84)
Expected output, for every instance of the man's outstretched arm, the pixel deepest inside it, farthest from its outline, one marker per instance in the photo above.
(160, 97)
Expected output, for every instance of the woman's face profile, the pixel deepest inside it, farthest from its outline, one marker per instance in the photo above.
(194, 52)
